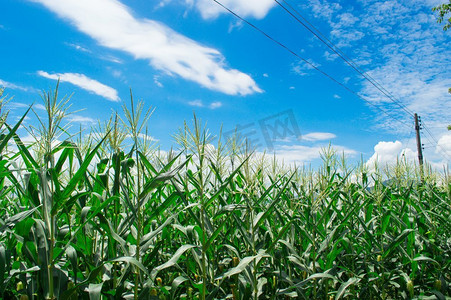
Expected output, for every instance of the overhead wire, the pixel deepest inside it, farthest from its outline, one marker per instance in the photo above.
(309, 63)
(444, 153)
(310, 27)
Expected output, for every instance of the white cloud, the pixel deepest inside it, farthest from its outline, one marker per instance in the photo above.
(302, 68)
(116, 74)
(162, 3)
(337, 96)
(238, 24)
(144, 136)
(302, 154)
(388, 153)
(250, 8)
(106, 57)
(79, 48)
(215, 105)
(80, 119)
(39, 106)
(402, 47)
(112, 24)
(323, 8)
(111, 58)
(197, 103)
(18, 105)
(12, 86)
(444, 146)
(85, 83)
(330, 56)
(156, 80)
(318, 136)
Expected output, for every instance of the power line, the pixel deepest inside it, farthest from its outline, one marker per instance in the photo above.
(407, 139)
(444, 153)
(310, 27)
(308, 62)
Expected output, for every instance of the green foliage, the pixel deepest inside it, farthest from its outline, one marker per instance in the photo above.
(443, 10)
(97, 220)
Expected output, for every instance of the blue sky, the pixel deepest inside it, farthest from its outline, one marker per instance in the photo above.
(185, 56)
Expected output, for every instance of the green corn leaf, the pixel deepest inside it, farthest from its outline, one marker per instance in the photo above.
(12, 221)
(81, 172)
(243, 264)
(171, 262)
(396, 242)
(345, 285)
(4, 141)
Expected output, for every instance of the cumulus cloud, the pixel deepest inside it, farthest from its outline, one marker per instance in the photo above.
(318, 136)
(388, 153)
(444, 146)
(84, 82)
(250, 8)
(113, 25)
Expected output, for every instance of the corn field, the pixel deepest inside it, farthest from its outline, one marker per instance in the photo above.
(106, 215)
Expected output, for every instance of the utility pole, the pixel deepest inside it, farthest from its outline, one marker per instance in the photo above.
(419, 145)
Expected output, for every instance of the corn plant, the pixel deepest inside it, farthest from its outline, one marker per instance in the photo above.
(111, 216)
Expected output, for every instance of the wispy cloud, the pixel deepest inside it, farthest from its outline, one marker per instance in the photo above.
(215, 105)
(106, 57)
(112, 25)
(250, 8)
(111, 58)
(398, 43)
(78, 47)
(304, 154)
(81, 119)
(144, 136)
(12, 86)
(84, 82)
(162, 3)
(19, 105)
(156, 80)
(318, 136)
(302, 68)
(199, 103)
